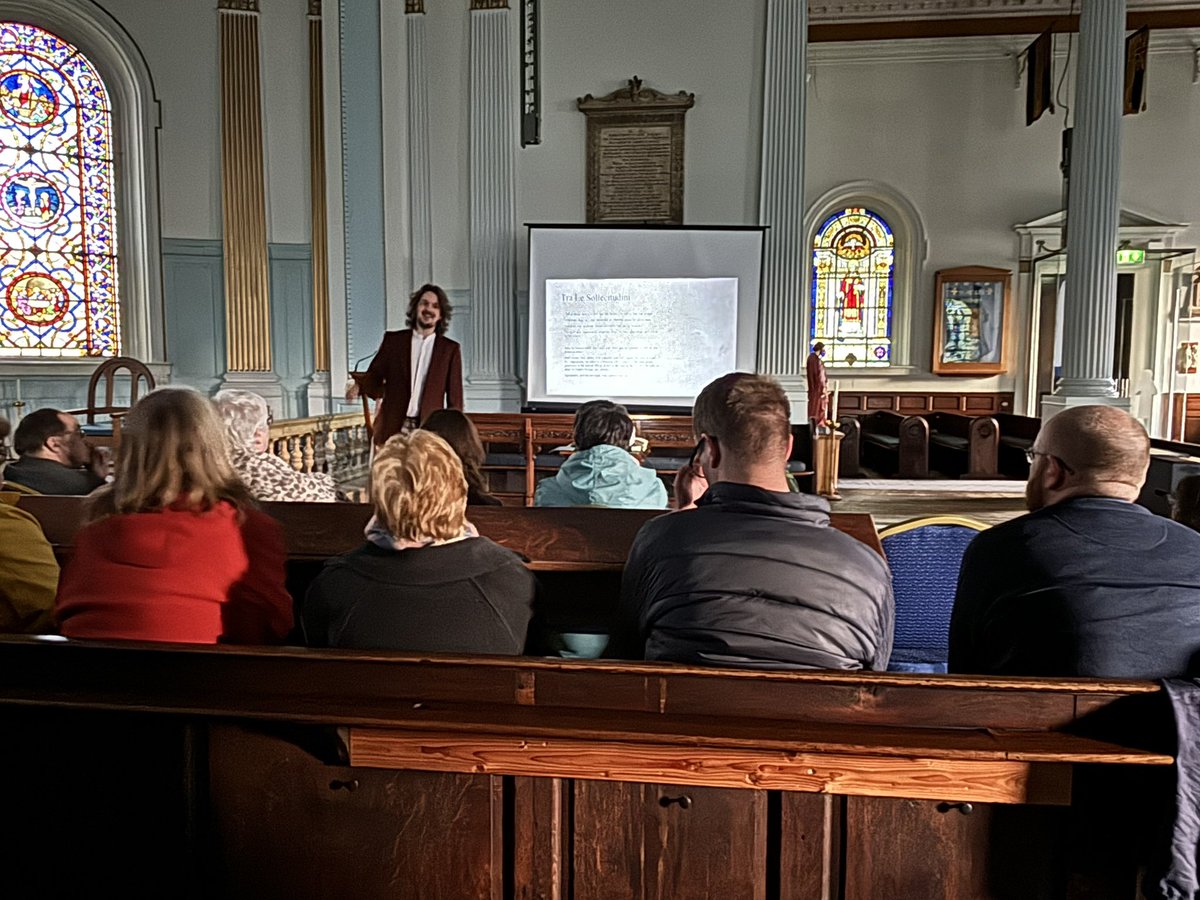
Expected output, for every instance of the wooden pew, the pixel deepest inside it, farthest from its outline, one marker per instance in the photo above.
(963, 445)
(586, 539)
(1170, 461)
(578, 553)
(1017, 434)
(157, 770)
(892, 443)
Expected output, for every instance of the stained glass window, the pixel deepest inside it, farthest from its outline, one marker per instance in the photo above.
(58, 241)
(853, 276)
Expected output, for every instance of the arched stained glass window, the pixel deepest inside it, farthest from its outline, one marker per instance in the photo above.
(852, 291)
(58, 253)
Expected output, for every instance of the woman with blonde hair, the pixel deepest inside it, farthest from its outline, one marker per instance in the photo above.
(424, 580)
(173, 549)
(453, 426)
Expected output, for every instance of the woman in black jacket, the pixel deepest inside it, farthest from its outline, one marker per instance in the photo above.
(424, 580)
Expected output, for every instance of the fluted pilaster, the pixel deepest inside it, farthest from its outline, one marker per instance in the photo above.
(783, 332)
(492, 165)
(420, 202)
(1093, 204)
(243, 193)
(320, 233)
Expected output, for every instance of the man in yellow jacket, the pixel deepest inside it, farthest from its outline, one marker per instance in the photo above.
(28, 572)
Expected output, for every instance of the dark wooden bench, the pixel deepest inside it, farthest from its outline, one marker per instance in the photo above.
(963, 445)
(144, 770)
(895, 444)
(1017, 434)
(578, 553)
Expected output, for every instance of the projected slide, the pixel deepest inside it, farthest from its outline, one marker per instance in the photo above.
(617, 337)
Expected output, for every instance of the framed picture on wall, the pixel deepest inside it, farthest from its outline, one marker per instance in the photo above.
(971, 321)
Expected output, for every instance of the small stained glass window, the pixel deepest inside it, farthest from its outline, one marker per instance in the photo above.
(852, 289)
(58, 250)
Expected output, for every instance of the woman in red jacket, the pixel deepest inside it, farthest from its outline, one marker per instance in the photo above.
(174, 549)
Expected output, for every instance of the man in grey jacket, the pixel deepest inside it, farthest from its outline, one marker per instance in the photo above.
(753, 576)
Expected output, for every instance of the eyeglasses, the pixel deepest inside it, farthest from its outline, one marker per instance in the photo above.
(1031, 455)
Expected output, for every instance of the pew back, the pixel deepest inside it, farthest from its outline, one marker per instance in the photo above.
(459, 776)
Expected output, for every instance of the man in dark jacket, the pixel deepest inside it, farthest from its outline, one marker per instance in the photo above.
(54, 457)
(754, 575)
(1087, 583)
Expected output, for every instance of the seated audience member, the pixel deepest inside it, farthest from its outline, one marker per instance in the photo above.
(424, 580)
(754, 575)
(174, 549)
(53, 456)
(247, 423)
(1185, 502)
(1087, 583)
(453, 426)
(28, 572)
(602, 471)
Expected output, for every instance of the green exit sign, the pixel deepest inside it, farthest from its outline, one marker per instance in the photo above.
(1130, 257)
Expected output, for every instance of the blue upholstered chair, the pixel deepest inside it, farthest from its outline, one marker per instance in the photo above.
(925, 555)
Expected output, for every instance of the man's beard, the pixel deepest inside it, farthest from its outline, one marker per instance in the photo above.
(1035, 497)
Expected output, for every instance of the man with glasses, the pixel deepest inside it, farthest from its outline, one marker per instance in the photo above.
(1088, 583)
(53, 456)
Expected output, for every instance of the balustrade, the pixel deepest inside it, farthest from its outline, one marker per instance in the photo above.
(336, 444)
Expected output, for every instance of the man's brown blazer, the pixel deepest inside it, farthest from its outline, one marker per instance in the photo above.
(390, 376)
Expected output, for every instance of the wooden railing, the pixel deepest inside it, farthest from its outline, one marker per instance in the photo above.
(337, 444)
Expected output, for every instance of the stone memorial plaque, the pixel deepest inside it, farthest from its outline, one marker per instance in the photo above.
(635, 155)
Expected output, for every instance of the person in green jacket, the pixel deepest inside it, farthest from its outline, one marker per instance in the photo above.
(28, 572)
(602, 471)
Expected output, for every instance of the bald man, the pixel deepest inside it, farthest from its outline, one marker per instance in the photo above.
(1087, 583)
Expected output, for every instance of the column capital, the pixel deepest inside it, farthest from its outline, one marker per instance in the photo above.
(314, 8)
(248, 6)
(412, 7)
(478, 5)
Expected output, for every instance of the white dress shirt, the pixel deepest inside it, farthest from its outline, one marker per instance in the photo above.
(422, 353)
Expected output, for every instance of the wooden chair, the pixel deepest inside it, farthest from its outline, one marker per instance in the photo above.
(108, 372)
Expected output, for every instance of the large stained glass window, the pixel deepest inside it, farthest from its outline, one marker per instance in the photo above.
(58, 251)
(853, 276)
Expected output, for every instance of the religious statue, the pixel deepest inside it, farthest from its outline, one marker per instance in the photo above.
(818, 388)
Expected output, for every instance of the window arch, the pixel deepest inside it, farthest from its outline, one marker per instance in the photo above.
(910, 251)
(853, 289)
(58, 236)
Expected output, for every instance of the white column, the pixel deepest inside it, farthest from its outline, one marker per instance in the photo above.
(420, 204)
(1092, 212)
(492, 381)
(783, 324)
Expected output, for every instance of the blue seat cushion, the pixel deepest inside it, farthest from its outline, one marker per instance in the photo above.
(925, 563)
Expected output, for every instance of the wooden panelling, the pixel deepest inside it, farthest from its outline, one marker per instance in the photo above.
(912, 402)
(810, 849)
(662, 842)
(926, 849)
(894, 775)
(362, 827)
(542, 838)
